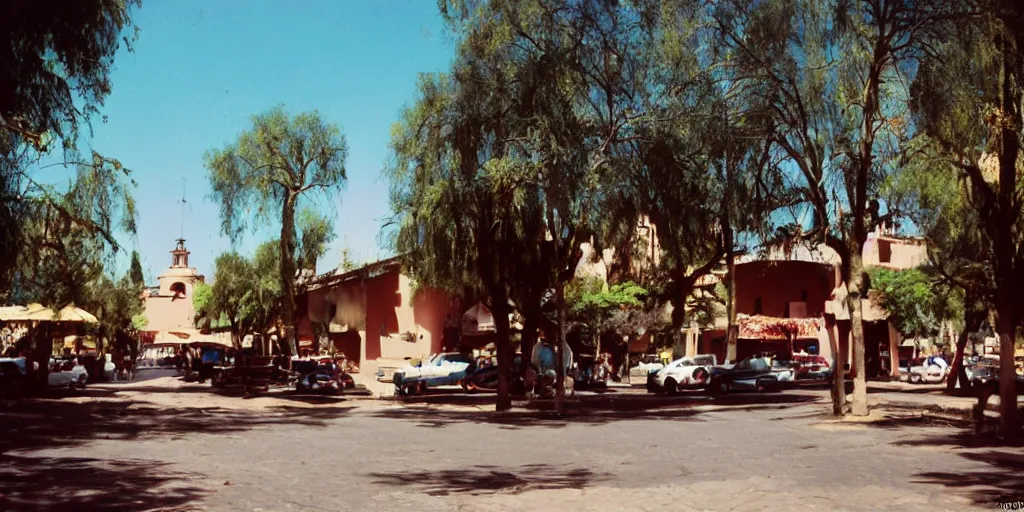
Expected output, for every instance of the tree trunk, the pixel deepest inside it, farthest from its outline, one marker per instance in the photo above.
(860, 388)
(730, 264)
(678, 321)
(958, 373)
(559, 345)
(287, 246)
(732, 334)
(503, 345)
(838, 390)
(529, 337)
(1007, 215)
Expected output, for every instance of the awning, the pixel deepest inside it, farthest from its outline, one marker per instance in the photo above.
(760, 327)
(39, 313)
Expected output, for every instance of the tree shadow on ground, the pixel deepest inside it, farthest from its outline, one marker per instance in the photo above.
(1002, 483)
(53, 423)
(65, 483)
(478, 480)
(592, 410)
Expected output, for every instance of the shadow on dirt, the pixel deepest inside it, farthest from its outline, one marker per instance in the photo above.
(64, 483)
(53, 423)
(478, 480)
(590, 410)
(1002, 482)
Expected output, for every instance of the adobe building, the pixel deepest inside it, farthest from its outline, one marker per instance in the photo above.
(375, 318)
(168, 305)
(793, 295)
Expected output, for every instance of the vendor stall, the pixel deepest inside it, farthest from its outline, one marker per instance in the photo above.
(775, 335)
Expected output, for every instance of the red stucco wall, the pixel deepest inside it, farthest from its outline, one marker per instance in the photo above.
(778, 283)
(429, 310)
(382, 301)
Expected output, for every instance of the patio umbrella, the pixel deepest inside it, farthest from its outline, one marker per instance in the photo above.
(36, 313)
(75, 314)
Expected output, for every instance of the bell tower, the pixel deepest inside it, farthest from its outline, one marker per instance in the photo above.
(179, 256)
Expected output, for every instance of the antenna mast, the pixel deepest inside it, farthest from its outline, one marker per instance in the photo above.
(183, 183)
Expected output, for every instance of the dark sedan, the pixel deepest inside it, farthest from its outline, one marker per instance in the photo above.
(751, 374)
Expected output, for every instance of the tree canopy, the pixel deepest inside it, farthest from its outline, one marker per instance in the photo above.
(264, 174)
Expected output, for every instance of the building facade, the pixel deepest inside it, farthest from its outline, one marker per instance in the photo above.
(375, 317)
(168, 305)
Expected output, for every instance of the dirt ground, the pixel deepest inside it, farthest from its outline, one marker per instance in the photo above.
(166, 445)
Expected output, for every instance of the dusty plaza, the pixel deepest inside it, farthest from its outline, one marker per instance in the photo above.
(167, 445)
(511, 255)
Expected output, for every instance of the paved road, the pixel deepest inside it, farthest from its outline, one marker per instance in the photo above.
(184, 449)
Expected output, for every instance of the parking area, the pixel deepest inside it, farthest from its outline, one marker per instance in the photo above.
(175, 446)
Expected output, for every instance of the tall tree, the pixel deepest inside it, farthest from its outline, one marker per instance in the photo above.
(452, 194)
(834, 74)
(266, 173)
(234, 279)
(966, 100)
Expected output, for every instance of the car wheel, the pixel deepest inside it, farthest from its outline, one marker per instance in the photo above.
(759, 386)
(671, 387)
(915, 378)
(722, 388)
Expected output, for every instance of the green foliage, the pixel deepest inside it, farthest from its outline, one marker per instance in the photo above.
(246, 293)
(347, 264)
(54, 75)
(264, 174)
(135, 271)
(916, 302)
(140, 322)
(270, 165)
(316, 231)
(56, 68)
(67, 237)
(589, 301)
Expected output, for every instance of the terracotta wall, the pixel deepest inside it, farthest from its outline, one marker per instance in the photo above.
(384, 321)
(778, 283)
(382, 302)
(430, 307)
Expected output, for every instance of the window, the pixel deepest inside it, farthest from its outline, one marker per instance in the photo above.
(178, 289)
(757, 306)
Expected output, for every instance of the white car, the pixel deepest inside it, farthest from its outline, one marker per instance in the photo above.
(648, 363)
(67, 374)
(928, 370)
(440, 370)
(685, 373)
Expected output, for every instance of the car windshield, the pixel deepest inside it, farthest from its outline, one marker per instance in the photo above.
(758, 364)
(704, 360)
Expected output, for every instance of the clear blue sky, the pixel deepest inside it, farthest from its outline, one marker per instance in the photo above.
(200, 69)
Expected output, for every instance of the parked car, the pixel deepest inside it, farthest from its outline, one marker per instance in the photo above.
(320, 376)
(684, 373)
(752, 373)
(648, 363)
(67, 373)
(812, 368)
(13, 376)
(592, 373)
(928, 370)
(440, 370)
(986, 377)
(485, 378)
